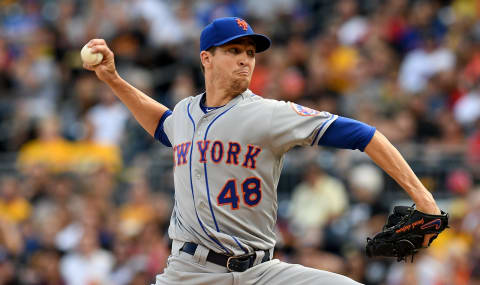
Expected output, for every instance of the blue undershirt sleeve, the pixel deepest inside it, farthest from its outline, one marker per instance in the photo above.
(347, 133)
(160, 133)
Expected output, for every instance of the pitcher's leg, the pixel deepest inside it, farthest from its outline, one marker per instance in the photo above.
(282, 273)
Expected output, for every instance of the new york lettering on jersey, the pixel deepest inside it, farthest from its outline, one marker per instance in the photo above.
(215, 153)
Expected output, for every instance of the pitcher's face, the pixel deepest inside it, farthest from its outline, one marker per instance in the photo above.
(233, 64)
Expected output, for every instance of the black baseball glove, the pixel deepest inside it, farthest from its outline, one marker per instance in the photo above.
(404, 233)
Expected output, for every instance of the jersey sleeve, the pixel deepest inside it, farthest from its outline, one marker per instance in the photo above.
(348, 133)
(164, 128)
(293, 124)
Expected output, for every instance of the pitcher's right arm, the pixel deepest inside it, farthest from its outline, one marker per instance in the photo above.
(146, 110)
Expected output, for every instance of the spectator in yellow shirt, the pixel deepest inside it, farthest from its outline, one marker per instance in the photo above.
(13, 207)
(49, 149)
(89, 155)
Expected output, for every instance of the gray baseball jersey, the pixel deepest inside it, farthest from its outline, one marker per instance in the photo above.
(227, 167)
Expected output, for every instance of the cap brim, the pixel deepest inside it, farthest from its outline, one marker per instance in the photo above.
(262, 42)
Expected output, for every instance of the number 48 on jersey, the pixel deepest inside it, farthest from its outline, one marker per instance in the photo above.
(251, 193)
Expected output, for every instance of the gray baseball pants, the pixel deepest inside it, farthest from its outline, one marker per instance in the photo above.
(183, 268)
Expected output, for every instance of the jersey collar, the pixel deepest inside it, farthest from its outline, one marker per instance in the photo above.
(204, 108)
(232, 102)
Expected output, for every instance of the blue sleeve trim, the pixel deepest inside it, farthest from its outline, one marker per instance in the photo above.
(347, 133)
(160, 133)
(321, 128)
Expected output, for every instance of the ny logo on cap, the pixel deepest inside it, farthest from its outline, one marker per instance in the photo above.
(242, 24)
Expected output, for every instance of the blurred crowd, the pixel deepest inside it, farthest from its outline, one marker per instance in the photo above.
(86, 194)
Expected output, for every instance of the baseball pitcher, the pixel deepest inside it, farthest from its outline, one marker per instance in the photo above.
(228, 146)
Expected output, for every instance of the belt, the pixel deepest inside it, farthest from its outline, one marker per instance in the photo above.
(238, 263)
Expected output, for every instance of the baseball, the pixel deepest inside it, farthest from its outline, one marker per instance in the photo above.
(90, 58)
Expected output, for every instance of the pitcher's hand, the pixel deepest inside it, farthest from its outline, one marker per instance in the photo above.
(105, 70)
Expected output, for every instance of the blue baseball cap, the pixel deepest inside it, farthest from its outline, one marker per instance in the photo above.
(224, 30)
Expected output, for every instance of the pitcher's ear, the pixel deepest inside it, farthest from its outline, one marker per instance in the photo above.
(205, 58)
